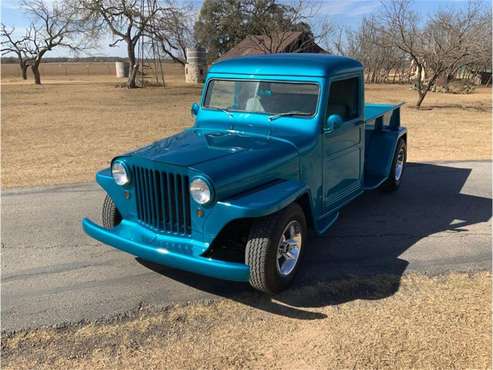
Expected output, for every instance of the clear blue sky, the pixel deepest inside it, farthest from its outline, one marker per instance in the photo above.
(340, 12)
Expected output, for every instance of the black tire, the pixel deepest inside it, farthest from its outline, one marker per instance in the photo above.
(262, 247)
(111, 216)
(393, 182)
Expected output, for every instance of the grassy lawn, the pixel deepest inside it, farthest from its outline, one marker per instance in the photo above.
(67, 129)
(431, 322)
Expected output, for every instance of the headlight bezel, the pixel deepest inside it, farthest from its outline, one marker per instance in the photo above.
(126, 173)
(210, 189)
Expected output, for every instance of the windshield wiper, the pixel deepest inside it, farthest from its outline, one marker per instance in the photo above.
(225, 110)
(228, 112)
(284, 114)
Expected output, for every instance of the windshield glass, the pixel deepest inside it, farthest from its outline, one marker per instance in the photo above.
(273, 98)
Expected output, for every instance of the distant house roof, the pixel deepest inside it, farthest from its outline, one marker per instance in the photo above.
(286, 42)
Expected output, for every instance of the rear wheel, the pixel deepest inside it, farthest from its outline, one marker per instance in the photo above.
(398, 165)
(274, 249)
(111, 216)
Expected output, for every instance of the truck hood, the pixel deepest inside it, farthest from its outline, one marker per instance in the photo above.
(233, 161)
(195, 146)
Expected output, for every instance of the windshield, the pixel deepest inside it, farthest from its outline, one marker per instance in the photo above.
(273, 98)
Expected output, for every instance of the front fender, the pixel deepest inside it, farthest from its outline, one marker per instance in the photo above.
(125, 206)
(257, 203)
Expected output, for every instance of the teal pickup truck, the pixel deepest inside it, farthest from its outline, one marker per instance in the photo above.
(280, 144)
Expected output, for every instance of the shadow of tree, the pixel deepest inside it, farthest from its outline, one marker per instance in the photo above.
(359, 257)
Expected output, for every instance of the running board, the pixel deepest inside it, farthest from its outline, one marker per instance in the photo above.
(373, 182)
(325, 222)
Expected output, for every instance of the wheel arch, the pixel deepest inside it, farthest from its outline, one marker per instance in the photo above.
(305, 202)
(240, 228)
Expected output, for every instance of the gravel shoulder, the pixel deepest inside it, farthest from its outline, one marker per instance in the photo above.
(430, 322)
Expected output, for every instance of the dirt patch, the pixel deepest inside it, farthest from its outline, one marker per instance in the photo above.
(431, 322)
(66, 130)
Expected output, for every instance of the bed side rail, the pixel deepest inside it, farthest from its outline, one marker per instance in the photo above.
(382, 116)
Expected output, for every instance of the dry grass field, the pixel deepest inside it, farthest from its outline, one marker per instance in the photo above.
(430, 323)
(67, 129)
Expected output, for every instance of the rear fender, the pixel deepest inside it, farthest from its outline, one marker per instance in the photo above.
(380, 148)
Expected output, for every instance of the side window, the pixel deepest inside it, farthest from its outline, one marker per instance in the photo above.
(344, 98)
(220, 94)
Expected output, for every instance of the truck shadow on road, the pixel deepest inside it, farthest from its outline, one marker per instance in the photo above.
(360, 257)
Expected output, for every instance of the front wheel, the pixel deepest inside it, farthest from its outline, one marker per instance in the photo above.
(274, 249)
(398, 165)
(111, 216)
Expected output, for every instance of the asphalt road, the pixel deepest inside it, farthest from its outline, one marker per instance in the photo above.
(439, 221)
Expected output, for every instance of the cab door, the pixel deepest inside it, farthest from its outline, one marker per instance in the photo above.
(343, 144)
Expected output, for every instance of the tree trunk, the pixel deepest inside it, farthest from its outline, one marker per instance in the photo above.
(421, 97)
(419, 85)
(23, 67)
(134, 67)
(132, 76)
(37, 76)
(424, 89)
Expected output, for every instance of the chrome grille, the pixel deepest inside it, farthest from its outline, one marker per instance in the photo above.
(163, 200)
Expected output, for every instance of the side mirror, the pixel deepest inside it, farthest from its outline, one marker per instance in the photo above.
(195, 109)
(334, 121)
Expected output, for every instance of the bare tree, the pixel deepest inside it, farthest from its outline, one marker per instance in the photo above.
(52, 26)
(275, 22)
(400, 29)
(128, 20)
(18, 46)
(457, 40)
(380, 61)
(447, 41)
(173, 31)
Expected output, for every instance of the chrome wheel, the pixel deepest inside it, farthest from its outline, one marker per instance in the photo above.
(289, 248)
(399, 164)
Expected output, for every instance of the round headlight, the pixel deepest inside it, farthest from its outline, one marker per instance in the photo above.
(200, 191)
(119, 173)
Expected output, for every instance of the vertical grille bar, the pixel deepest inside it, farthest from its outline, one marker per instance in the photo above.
(163, 199)
(179, 204)
(144, 195)
(135, 171)
(152, 191)
(168, 202)
(187, 206)
(176, 204)
(157, 199)
(172, 205)
(184, 204)
(149, 197)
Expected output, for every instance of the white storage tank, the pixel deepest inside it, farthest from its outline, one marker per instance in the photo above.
(122, 69)
(196, 67)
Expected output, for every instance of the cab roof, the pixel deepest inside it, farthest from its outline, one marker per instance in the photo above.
(287, 64)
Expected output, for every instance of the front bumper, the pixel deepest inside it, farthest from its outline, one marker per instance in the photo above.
(168, 250)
